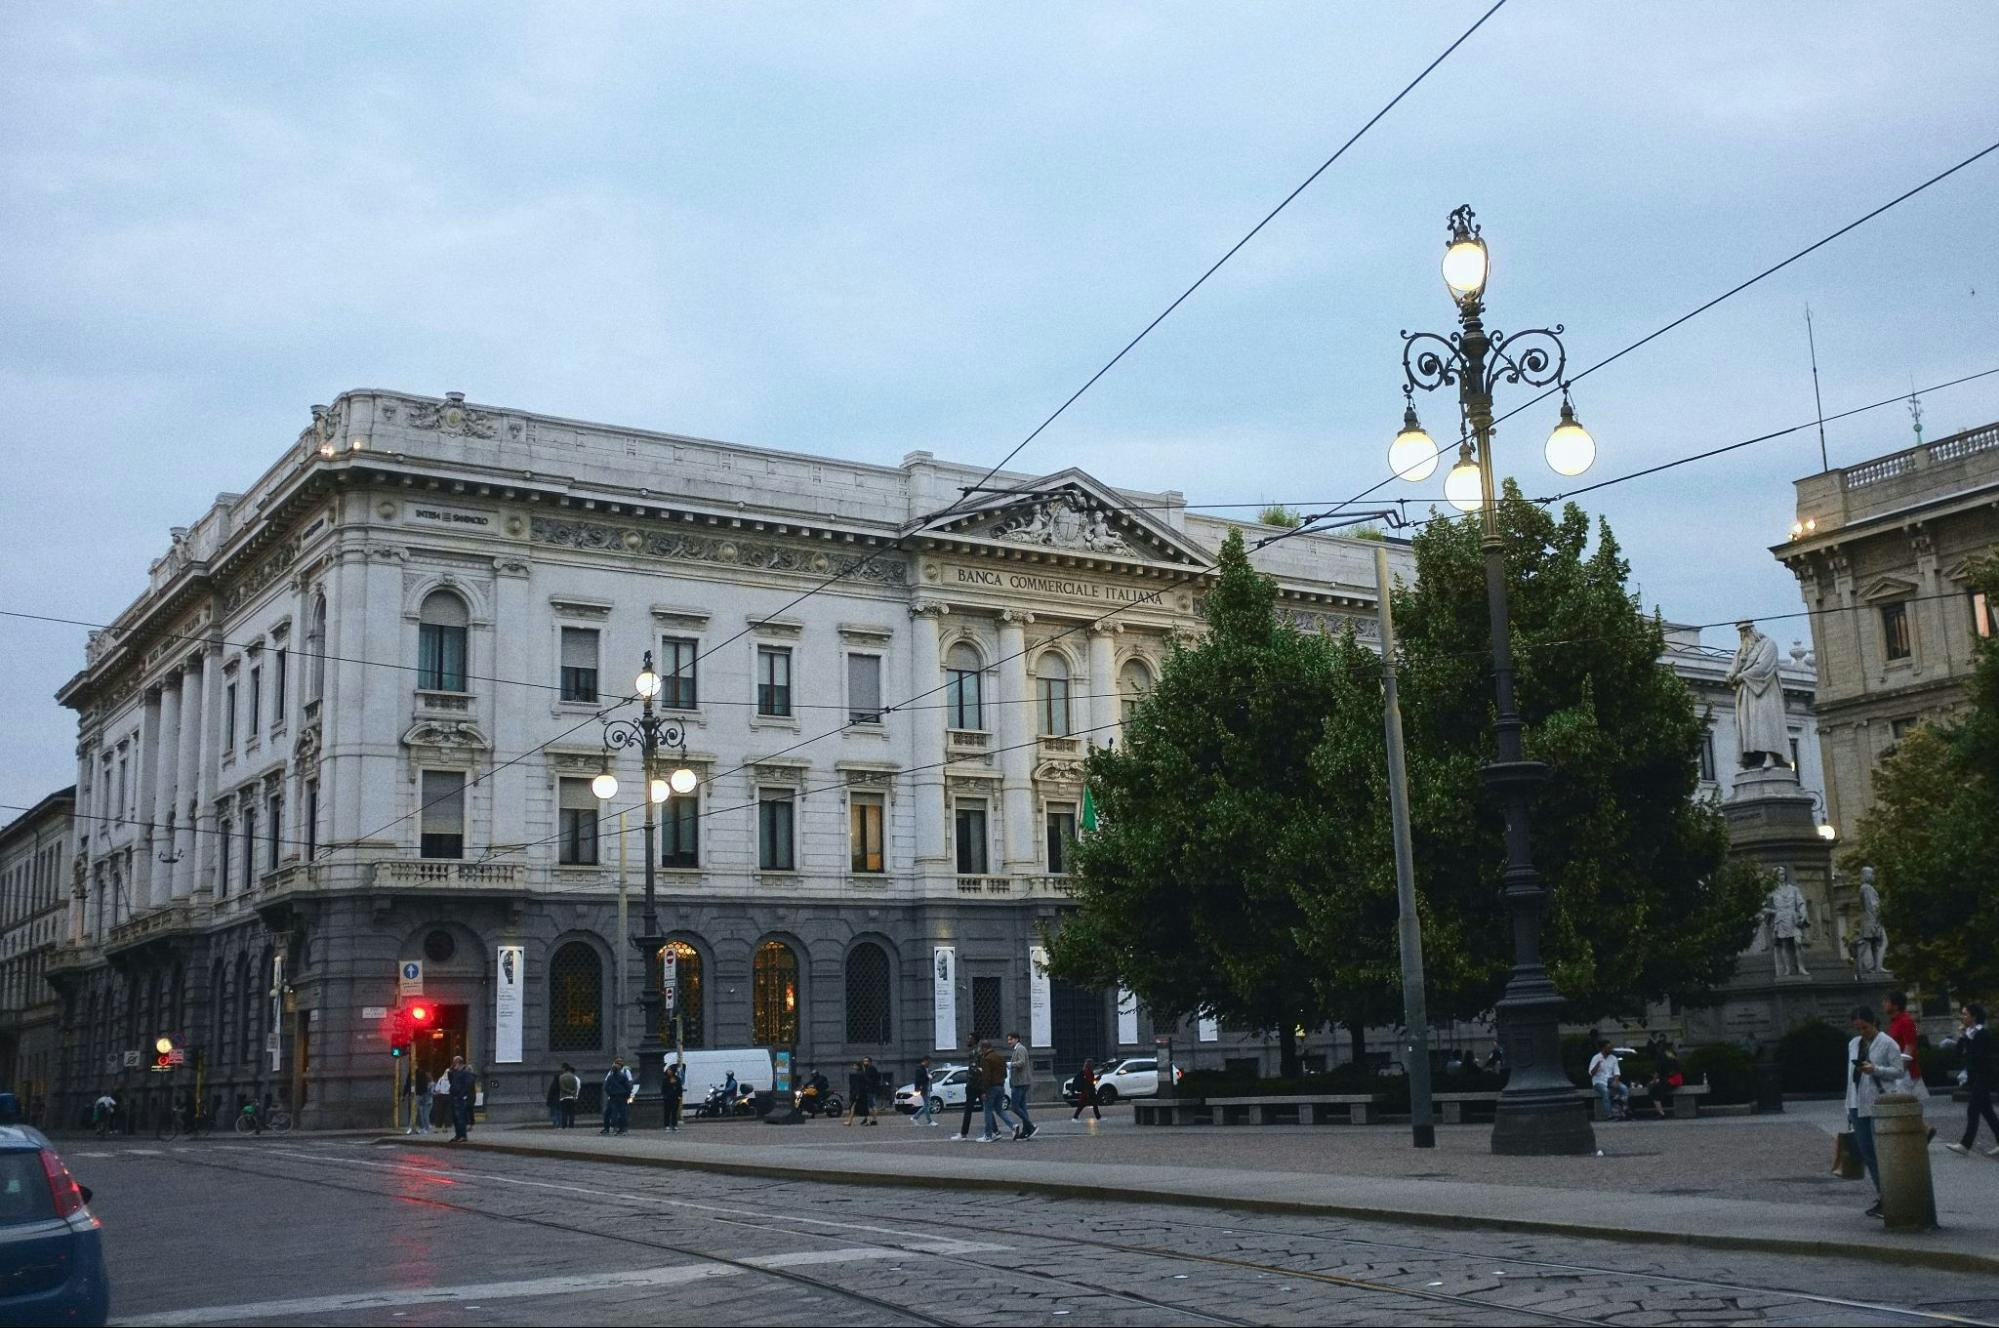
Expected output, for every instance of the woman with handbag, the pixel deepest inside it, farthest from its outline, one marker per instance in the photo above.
(1086, 1092)
(1873, 1067)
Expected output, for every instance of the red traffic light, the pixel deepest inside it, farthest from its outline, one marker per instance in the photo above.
(420, 1015)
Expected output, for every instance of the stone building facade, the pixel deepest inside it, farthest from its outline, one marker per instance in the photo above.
(1883, 552)
(352, 722)
(35, 850)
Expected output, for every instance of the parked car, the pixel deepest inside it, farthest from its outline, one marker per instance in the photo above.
(1135, 1076)
(51, 1259)
(947, 1089)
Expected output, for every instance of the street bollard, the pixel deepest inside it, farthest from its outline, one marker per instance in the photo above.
(1901, 1146)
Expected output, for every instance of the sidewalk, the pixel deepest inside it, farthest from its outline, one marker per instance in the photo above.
(1760, 1183)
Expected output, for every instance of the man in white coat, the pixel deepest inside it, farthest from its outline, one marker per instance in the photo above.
(1873, 1067)
(1760, 732)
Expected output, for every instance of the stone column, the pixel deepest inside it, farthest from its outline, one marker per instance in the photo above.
(187, 778)
(926, 673)
(145, 766)
(1103, 683)
(209, 766)
(1017, 746)
(507, 824)
(165, 758)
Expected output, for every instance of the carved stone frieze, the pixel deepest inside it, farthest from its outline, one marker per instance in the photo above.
(761, 555)
(445, 735)
(1061, 521)
(265, 572)
(1059, 772)
(452, 416)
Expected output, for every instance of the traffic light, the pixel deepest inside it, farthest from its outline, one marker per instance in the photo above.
(420, 1018)
(398, 1033)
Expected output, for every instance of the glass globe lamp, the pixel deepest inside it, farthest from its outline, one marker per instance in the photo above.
(1462, 488)
(1570, 449)
(1413, 454)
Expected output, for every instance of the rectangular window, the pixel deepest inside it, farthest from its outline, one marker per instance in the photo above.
(1899, 728)
(775, 810)
(962, 706)
(1984, 618)
(1053, 695)
(773, 681)
(1061, 835)
(577, 845)
(971, 838)
(987, 1012)
(249, 844)
(228, 725)
(1794, 753)
(311, 825)
(680, 831)
(864, 833)
(276, 808)
(440, 657)
(1895, 630)
(579, 664)
(1707, 757)
(864, 689)
(677, 655)
(222, 857)
(280, 676)
(443, 814)
(256, 708)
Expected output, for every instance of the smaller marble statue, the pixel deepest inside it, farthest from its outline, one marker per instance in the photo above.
(1761, 737)
(1871, 944)
(1787, 919)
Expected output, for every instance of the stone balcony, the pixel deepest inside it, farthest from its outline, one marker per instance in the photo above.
(445, 874)
(149, 927)
(967, 742)
(1959, 464)
(444, 705)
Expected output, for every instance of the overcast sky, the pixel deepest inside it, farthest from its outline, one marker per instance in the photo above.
(862, 229)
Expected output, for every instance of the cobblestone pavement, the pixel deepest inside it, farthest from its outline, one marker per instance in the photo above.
(316, 1232)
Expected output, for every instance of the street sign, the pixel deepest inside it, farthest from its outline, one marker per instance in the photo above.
(131, 1060)
(669, 991)
(409, 978)
(374, 1012)
(669, 967)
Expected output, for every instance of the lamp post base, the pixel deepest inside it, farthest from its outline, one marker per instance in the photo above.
(651, 1051)
(1539, 1124)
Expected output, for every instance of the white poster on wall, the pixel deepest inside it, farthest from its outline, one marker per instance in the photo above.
(1040, 1009)
(509, 977)
(1127, 1018)
(1210, 1030)
(944, 996)
(271, 1043)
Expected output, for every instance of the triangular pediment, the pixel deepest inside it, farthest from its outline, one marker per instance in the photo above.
(1968, 567)
(1071, 512)
(1888, 587)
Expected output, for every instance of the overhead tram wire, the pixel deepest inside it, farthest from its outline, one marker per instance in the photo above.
(1303, 185)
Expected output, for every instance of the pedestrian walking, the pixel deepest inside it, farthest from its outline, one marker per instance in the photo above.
(461, 1082)
(103, 1112)
(418, 1090)
(1020, 1084)
(569, 1086)
(1606, 1073)
(992, 1067)
(619, 1086)
(671, 1090)
(1976, 1050)
(924, 1115)
(975, 1089)
(1873, 1067)
(554, 1098)
(1086, 1092)
(871, 1089)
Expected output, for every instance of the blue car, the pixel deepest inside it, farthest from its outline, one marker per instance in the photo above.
(51, 1254)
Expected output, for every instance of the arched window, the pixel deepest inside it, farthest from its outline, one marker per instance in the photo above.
(687, 998)
(964, 701)
(576, 999)
(315, 649)
(774, 996)
(1134, 680)
(1051, 685)
(440, 642)
(867, 994)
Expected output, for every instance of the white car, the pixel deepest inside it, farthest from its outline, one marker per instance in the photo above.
(1135, 1076)
(947, 1089)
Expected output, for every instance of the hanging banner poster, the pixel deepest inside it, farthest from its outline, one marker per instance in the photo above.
(508, 1005)
(944, 996)
(1127, 1018)
(1040, 1021)
(1210, 1030)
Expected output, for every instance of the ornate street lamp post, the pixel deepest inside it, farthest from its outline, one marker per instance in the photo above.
(650, 733)
(1538, 1111)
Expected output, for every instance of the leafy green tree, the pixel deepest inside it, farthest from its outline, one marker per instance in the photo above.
(1929, 836)
(1189, 889)
(1644, 902)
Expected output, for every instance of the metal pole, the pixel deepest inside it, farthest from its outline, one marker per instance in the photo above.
(1812, 342)
(651, 1048)
(624, 954)
(1415, 1009)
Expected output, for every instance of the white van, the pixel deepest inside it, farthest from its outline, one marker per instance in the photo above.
(704, 1070)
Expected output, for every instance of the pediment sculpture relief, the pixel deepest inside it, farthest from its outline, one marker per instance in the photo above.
(1062, 521)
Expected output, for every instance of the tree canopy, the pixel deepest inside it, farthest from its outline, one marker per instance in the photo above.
(1929, 837)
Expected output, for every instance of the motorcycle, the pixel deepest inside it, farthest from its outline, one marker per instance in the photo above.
(808, 1101)
(721, 1104)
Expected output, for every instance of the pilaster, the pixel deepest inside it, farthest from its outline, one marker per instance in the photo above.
(1017, 743)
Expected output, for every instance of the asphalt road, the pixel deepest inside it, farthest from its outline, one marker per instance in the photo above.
(278, 1231)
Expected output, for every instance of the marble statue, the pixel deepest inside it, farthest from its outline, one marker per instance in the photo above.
(1872, 942)
(1786, 920)
(1761, 736)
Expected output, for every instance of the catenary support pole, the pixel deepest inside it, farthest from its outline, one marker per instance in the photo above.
(624, 952)
(1415, 1009)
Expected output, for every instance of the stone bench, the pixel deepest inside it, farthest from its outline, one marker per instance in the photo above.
(1302, 1109)
(1451, 1106)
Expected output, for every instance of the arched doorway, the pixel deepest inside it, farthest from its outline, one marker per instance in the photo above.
(774, 995)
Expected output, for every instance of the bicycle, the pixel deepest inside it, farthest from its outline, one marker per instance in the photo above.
(172, 1125)
(252, 1120)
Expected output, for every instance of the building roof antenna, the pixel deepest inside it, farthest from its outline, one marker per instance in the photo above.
(1915, 410)
(1817, 402)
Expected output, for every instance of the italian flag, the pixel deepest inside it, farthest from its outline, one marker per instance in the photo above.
(1089, 811)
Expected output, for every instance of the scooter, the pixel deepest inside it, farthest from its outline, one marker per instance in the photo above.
(809, 1102)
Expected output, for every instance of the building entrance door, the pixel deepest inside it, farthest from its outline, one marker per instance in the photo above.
(449, 1036)
(1077, 1020)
